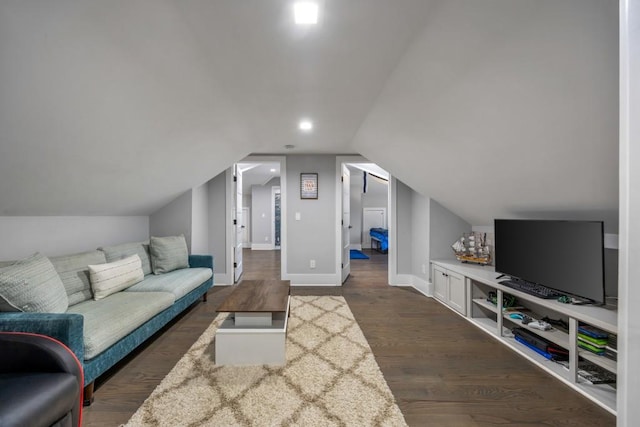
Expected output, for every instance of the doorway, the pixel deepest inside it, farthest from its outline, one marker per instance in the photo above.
(256, 223)
(363, 203)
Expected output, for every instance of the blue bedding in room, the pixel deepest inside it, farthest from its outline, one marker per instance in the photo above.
(381, 235)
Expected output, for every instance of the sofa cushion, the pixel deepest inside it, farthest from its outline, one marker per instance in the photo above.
(168, 253)
(112, 277)
(32, 285)
(178, 282)
(108, 320)
(74, 272)
(114, 253)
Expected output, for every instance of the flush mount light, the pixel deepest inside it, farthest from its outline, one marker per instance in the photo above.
(305, 125)
(272, 170)
(305, 13)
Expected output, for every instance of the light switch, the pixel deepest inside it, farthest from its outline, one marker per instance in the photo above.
(297, 216)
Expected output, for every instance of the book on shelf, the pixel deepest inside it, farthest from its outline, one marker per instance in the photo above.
(592, 331)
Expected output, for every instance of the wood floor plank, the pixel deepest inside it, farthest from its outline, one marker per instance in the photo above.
(442, 370)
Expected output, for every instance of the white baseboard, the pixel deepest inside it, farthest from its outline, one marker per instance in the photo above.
(357, 246)
(262, 247)
(221, 279)
(415, 282)
(312, 279)
(401, 280)
(422, 286)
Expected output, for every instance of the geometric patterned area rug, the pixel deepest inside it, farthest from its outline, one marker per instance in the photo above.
(330, 379)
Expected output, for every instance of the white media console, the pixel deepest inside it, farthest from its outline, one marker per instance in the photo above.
(465, 287)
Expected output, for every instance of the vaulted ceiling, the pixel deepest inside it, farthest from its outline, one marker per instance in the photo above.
(493, 107)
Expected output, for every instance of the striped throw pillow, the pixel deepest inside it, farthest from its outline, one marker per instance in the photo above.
(107, 279)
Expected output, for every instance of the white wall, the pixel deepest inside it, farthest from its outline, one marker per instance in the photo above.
(629, 243)
(174, 218)
(200, 220)
(60, 235)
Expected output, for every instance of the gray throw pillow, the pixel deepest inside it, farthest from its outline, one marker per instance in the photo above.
(168, 253)
(32, 285)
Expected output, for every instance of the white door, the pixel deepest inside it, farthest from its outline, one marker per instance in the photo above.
(346, 222)
(237, 260)
(246, 216)
(372, 218)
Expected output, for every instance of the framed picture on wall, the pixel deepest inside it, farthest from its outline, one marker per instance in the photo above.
(308, 185)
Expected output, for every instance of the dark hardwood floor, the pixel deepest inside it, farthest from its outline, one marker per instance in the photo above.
(442, 370)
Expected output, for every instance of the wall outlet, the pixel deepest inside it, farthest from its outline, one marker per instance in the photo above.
(312, 263)
(266, 238)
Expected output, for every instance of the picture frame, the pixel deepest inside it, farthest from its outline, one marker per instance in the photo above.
(309, 186)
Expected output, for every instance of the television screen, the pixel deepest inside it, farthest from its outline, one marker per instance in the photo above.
(567, 256)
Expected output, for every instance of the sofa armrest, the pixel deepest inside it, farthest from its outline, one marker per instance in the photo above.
(65, 327)
(202, 261)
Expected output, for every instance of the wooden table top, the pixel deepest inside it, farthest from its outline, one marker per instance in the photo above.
(257, 296)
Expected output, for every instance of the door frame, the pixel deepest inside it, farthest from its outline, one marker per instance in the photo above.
(274, 191)
(391, 204)
(230, 230)
(246, 216)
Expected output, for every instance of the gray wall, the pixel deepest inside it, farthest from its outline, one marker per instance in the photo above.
(445, 228)
(262, 212)
(217, 203)
(174, 218)
(21, 236)
(404, 228)
(313, 237)
(420, 233)
(355, 200)
(377, 193)
(200, 220)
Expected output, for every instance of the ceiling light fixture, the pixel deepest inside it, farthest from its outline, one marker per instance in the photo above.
(305, 125)
(272, 170)
(305, 13)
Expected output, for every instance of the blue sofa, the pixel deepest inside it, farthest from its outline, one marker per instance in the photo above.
(103, 332)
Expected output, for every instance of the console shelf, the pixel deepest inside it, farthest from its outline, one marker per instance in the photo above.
(480, 282)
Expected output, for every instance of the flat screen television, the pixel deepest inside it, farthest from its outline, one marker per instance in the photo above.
(567, 256)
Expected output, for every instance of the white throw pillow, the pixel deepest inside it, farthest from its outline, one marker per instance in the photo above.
(107, 279)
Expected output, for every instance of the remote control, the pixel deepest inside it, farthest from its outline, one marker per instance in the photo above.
(539, 324)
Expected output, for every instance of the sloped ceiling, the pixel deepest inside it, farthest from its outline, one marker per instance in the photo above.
(492, 107)
(506, 109)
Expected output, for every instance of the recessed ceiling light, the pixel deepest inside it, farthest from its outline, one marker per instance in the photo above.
(305, 12)
(272, 170)
(305, 125)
